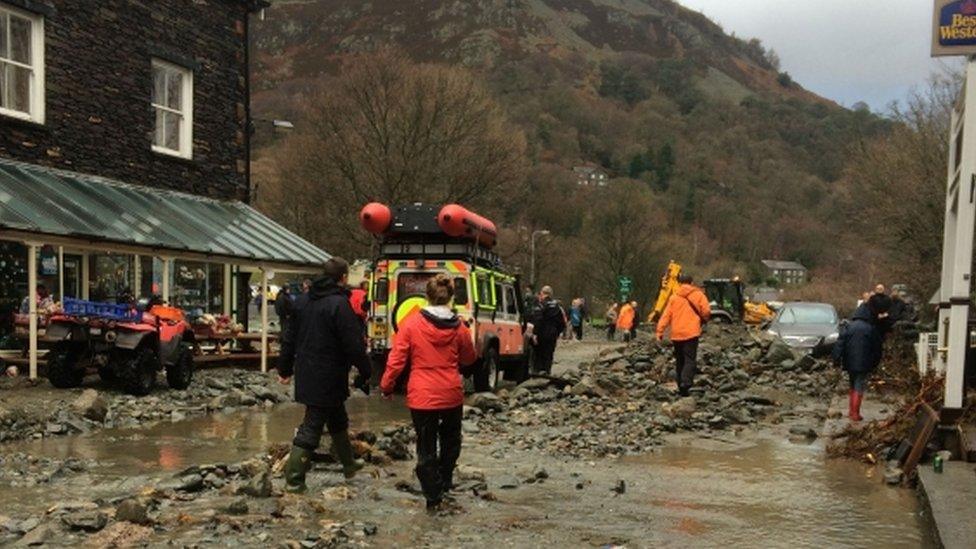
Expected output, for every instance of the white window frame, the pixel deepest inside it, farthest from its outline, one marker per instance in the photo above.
(186, 100)
(36, 94)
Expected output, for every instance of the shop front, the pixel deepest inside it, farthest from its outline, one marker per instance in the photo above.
(68, 235)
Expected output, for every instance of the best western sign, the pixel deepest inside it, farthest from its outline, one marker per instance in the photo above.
(954, 28)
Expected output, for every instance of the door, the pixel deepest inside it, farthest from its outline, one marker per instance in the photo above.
(72, 276)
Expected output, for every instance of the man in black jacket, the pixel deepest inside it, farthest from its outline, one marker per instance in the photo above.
(548, 323)
(324, 339)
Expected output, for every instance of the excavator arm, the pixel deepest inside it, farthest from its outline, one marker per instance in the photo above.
(669, 283)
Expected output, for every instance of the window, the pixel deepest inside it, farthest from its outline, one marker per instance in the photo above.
(460, 291)
(511, 301)
(172, 102)
(21, 65)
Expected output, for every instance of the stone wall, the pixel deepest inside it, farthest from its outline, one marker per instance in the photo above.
(99, 84)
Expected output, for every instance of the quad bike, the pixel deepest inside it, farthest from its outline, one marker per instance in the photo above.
(125, 345)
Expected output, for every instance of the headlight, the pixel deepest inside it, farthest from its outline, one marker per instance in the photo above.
(832, 338)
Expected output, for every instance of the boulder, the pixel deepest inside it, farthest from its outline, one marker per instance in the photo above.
(779, 352)
(683, 408)
(535, 384)
(487, 402)
(588, 387)
(91, 405)
(88, 521)
(259, 486)
(132, 510)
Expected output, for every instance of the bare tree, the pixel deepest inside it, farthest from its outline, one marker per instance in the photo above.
(397, 132)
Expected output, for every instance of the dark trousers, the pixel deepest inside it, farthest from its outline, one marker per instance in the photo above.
(542, 356)
(686, 363)
(611, 332)
(435, 466)
(858, 381)
(316, 419)
(578, 330)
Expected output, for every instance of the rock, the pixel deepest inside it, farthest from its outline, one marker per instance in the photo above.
(893, 476)
(215, 383)
(370, 529)
(540, 473)
(91, 405)
(779, 352)
(683, 408)
(469, 473)
(39, 536)
(88, 521)
(760, 400)
(620, 487)
(806, 362)
(176, 416)
(802, 431)
(259, 486)
(470, 412)
(507, 482)
(588, 387)
(190, 483)
(535, 384)
(55, 428)
(470, 427)
(487, 402)
(238, 507)
(132, 510)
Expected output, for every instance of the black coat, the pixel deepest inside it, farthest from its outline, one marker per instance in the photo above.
(548, 320)
(324, 340)
(860, 345)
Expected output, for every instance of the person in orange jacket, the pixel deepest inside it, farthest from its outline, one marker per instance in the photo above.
(686, 312)
(625, 320)
(436, 344)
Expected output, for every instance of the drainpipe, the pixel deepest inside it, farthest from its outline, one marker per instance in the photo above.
(32, 307)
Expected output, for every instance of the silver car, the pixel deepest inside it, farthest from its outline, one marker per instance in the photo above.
(807, 326)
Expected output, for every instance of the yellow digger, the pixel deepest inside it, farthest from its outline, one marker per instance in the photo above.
(726, 295)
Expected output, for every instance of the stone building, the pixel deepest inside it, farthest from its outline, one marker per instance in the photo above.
(124, 157)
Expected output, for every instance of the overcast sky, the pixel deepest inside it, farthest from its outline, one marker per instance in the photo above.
(847, 50)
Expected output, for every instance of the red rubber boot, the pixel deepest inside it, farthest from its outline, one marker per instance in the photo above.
(855, 411)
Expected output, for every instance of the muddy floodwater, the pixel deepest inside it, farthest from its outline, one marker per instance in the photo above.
(759, 491)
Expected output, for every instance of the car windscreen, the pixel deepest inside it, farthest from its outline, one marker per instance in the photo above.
(808, 314)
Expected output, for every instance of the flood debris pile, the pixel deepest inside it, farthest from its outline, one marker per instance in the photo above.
(19, 469)
(626, 401)
(81, 411)
(202, 505)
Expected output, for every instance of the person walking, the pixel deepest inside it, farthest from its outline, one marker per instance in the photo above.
(548, 323)
(436, 344)
(284, 307)
(636, 322)
(687, 310)
(611, 317)
(860, 347)
(576, 318)
(626, 320)
(325, 337)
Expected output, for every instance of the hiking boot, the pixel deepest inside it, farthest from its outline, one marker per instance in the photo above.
(295, 468)
(342, 448)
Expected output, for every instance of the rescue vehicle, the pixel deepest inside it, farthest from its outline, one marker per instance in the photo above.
(417, 242)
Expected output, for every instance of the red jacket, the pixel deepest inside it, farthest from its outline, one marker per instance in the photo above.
(357, 298)
(435, 348)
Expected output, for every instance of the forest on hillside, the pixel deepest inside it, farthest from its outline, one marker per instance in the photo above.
(703, 168)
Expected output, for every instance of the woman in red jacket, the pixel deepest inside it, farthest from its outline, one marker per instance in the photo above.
(435, 343)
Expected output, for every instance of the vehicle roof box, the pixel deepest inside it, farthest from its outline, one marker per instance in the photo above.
(416, 219)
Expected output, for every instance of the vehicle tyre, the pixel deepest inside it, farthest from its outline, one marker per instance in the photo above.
(179, 374)
(137, 370)
(62, 367)
(107, 374)
(486, 378)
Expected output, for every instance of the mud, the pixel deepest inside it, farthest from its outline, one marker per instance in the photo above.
(184, 483)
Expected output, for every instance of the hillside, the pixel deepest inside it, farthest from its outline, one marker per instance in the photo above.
(741, 162)
(301, 41)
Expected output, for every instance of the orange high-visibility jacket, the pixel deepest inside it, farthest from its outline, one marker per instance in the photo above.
(686, 310)
(625, 320)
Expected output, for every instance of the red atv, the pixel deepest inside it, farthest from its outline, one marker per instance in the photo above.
(124, 344)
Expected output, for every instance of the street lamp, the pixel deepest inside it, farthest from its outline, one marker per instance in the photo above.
(535, 235)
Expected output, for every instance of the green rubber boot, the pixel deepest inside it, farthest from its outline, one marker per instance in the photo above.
(342, 449)
(295, 469)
